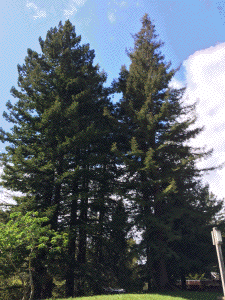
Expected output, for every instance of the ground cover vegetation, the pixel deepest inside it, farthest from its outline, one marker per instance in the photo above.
(92, 173)
(159, 296)
(187, 295)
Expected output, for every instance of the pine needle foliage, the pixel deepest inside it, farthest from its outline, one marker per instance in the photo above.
(155, 154)
(59, 144)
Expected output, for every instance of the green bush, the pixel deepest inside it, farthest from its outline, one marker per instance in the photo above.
(11, 293)
(196, 277)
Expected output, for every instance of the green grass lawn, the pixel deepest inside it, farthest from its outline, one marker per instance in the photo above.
(179, 295)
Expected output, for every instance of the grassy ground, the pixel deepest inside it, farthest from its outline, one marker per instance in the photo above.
(167, 296)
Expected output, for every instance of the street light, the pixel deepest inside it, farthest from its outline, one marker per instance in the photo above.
(217, 241)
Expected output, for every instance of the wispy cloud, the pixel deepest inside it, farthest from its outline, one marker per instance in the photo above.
(112, 17)
(114, 6)
(39, 13)
(123, 4)
(205, 74)
(70, 11)
(73, 7)
(31, 5)
(139, 3)
(79, 2)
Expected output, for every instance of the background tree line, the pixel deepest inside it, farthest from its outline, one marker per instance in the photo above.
(99, 171)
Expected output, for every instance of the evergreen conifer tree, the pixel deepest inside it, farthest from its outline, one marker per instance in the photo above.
(156, 127)
(59, 143)
(59, 157)
(194, 214)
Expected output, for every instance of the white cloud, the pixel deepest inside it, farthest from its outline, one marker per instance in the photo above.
(79, 2)
(114, 6)
(6, 196)
(123, 4)
(111, 17)
(31, 5)
(73, 7)
(70, 12)
(176, 84)
(39, 13)
(205, 79)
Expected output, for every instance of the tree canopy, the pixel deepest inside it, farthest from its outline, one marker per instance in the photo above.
(99, 171)
(161, 166)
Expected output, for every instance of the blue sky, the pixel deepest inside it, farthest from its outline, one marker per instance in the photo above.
(194, 36)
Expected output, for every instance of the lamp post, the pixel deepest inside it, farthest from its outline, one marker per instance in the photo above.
(217, 241)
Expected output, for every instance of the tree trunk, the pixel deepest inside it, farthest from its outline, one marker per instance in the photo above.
(99, 249)
(31, 280)
(149, 267)
(82, 246)
(161, 276)
(183, 279)
(56, 203)
(81, 258)
(164, 281)
(70, 276)
(42, 281)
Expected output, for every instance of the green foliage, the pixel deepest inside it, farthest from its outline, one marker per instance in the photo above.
(27, 231)
(21, 238)
(94, 173)
(196, 276)
(160, 167)
(59, 147)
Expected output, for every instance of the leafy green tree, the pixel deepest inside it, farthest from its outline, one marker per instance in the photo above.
(157, 127)
(20, 240)
(60, 139)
